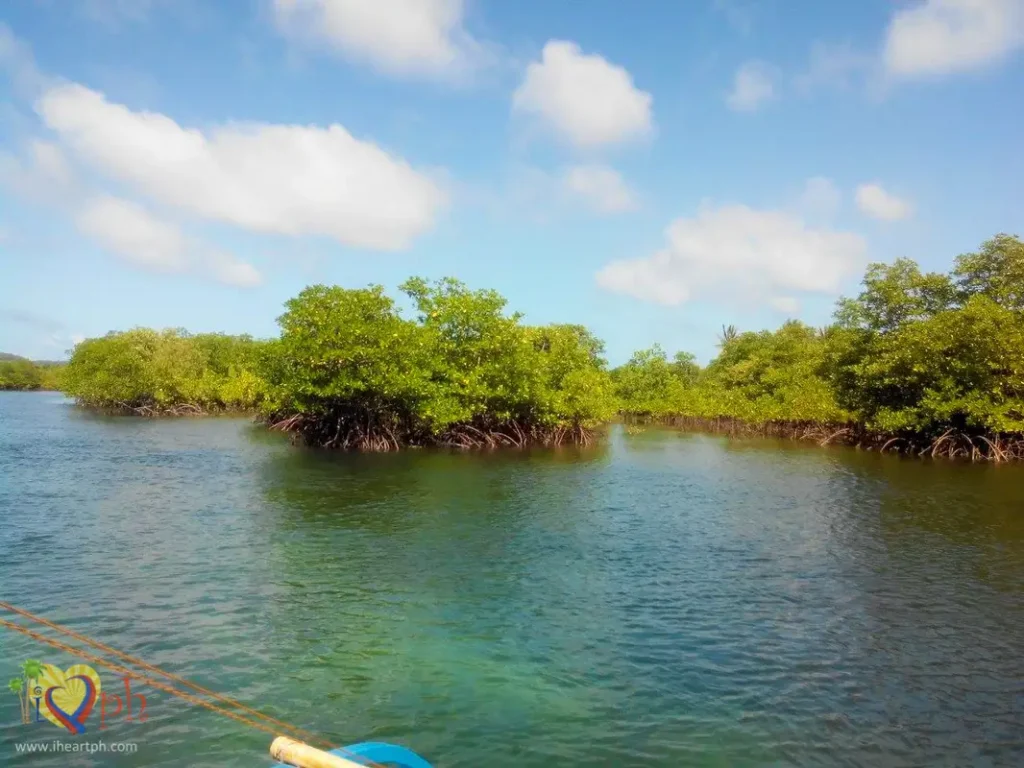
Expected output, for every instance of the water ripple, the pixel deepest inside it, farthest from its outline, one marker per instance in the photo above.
(663, 600)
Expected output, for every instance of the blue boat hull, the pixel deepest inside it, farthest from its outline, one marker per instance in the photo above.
(379, 753)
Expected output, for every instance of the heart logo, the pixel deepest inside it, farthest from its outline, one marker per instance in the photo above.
(66, 697)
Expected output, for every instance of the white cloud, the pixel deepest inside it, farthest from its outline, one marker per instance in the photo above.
(738, 253)
(753, 86)
(601, 187)
(17, 62)
(787, 305)
(820, 199)
(286, 179)
(418, 38)
(874, 201)
(41, 173)
(131, 232)
(588, 100)
(231, 271)
(937, 37)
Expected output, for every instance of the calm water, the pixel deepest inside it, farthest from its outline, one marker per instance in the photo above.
(664, 600)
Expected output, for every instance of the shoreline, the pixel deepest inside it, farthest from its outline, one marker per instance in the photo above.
(953, 444)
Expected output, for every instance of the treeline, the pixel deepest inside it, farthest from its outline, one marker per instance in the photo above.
(167, 372)
(918, 361)
(18, 373)
(349, 371)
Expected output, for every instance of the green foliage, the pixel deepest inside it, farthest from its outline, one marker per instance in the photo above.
(569, 378)
(923, 354)
(914, 353)
(756, 377)
(995, 271)
(348, 348)
(895, 294)
(144, 368)
(769, 376)
(961, 368)
(350, 370)
(649, 385)
(21, 374)
(349, 355)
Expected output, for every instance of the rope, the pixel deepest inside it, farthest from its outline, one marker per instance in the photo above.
(125, 671)
(308, 737)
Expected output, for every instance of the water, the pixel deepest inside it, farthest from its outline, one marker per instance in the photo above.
(662, 600)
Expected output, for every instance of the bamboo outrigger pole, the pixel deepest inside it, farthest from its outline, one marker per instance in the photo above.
(291, 752)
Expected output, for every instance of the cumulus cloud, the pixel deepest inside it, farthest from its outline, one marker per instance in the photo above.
(874, 201)
(753, 86)
(42, 173)
(132, 233)
(586, 99)
(418, 38)
(600, 187)
(285, 179)
(739, 253)
(937, 37)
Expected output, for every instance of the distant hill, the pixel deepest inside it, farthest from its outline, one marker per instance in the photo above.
(7, 356)
(20, 373)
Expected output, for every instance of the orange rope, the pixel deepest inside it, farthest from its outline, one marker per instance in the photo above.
(308, 737)
(125, 671)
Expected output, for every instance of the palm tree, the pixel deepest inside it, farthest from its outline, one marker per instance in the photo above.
(30, 670)
(16, 686)
(729, 334)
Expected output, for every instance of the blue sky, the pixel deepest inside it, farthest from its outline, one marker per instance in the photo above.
(653, 170)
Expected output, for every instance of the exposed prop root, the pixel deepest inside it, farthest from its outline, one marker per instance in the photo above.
(515, 435)
(357, 429)
(151, 409)
(951, 444)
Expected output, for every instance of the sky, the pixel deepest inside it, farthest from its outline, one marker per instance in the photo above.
(653, 170)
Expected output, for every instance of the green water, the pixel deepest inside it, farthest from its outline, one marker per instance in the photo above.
(662, 600)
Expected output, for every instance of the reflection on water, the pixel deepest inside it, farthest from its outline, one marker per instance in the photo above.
(662, 599)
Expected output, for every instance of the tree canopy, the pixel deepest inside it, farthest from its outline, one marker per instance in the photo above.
(19, 373)
(914, 354)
